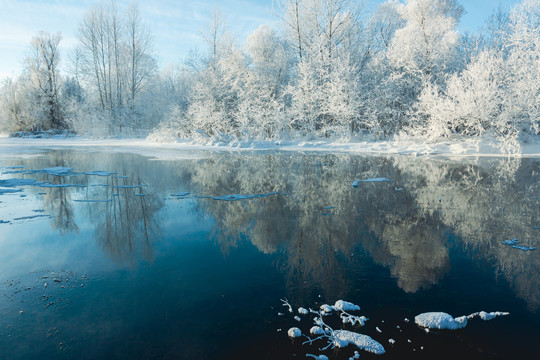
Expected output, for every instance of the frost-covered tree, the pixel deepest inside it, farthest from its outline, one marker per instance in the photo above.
(425, 46)
(497, 93)
(261, 99)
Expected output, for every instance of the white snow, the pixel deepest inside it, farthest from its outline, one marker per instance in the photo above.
(11, 147)
(344, 337)
(294, 332)
(346, 306)
(441, 320)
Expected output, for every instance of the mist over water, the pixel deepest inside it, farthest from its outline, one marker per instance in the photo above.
(154, 260)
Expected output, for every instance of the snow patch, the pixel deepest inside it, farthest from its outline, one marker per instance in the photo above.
(303, 311)
(344, 337)
(441, 320)
(294, 332)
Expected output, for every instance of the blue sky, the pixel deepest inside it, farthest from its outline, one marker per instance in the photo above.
(175, 25)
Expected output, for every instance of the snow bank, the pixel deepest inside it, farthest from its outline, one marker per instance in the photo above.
(344, 337)
(182, 149)
(441, 320)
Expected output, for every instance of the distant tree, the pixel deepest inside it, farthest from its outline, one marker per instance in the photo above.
(42, 66)
(115, 55)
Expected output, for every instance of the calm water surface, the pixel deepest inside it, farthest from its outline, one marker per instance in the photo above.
(154, 259)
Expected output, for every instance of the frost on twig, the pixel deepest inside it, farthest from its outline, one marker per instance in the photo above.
(286, 303)
(341, 338)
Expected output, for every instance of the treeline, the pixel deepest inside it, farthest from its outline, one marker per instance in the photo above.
(332, 70)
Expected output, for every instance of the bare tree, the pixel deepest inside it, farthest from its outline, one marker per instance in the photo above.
(42, 65)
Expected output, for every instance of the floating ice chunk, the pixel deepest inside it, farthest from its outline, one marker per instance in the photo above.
(30, 217)
(343, 338)
(100, 173)
(181, 194)
(236, 197)
(513, 243)
(316, 330)
(356, 356)
(297, 318)
(280, 314)
(294, 332)
(440, 320)
(392, 341)
(317, 357)
(406, 320)
(303, 311)
(380, 179)
(48, 185)
(16, 182)
(377, 328)
(8, 191)
(57, 171)
(488, 316)
(409, 341)
(345, 306)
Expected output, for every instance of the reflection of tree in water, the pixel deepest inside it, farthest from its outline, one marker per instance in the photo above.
(322, 218)
(486, 202)
(402, 229)
(57, 200)
(126, 226)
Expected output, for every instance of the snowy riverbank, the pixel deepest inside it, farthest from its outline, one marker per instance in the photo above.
(474, 147)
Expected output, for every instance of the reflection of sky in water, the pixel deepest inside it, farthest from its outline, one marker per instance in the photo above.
(158, 268)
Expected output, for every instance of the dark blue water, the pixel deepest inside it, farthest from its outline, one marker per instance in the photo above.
(127, 265)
